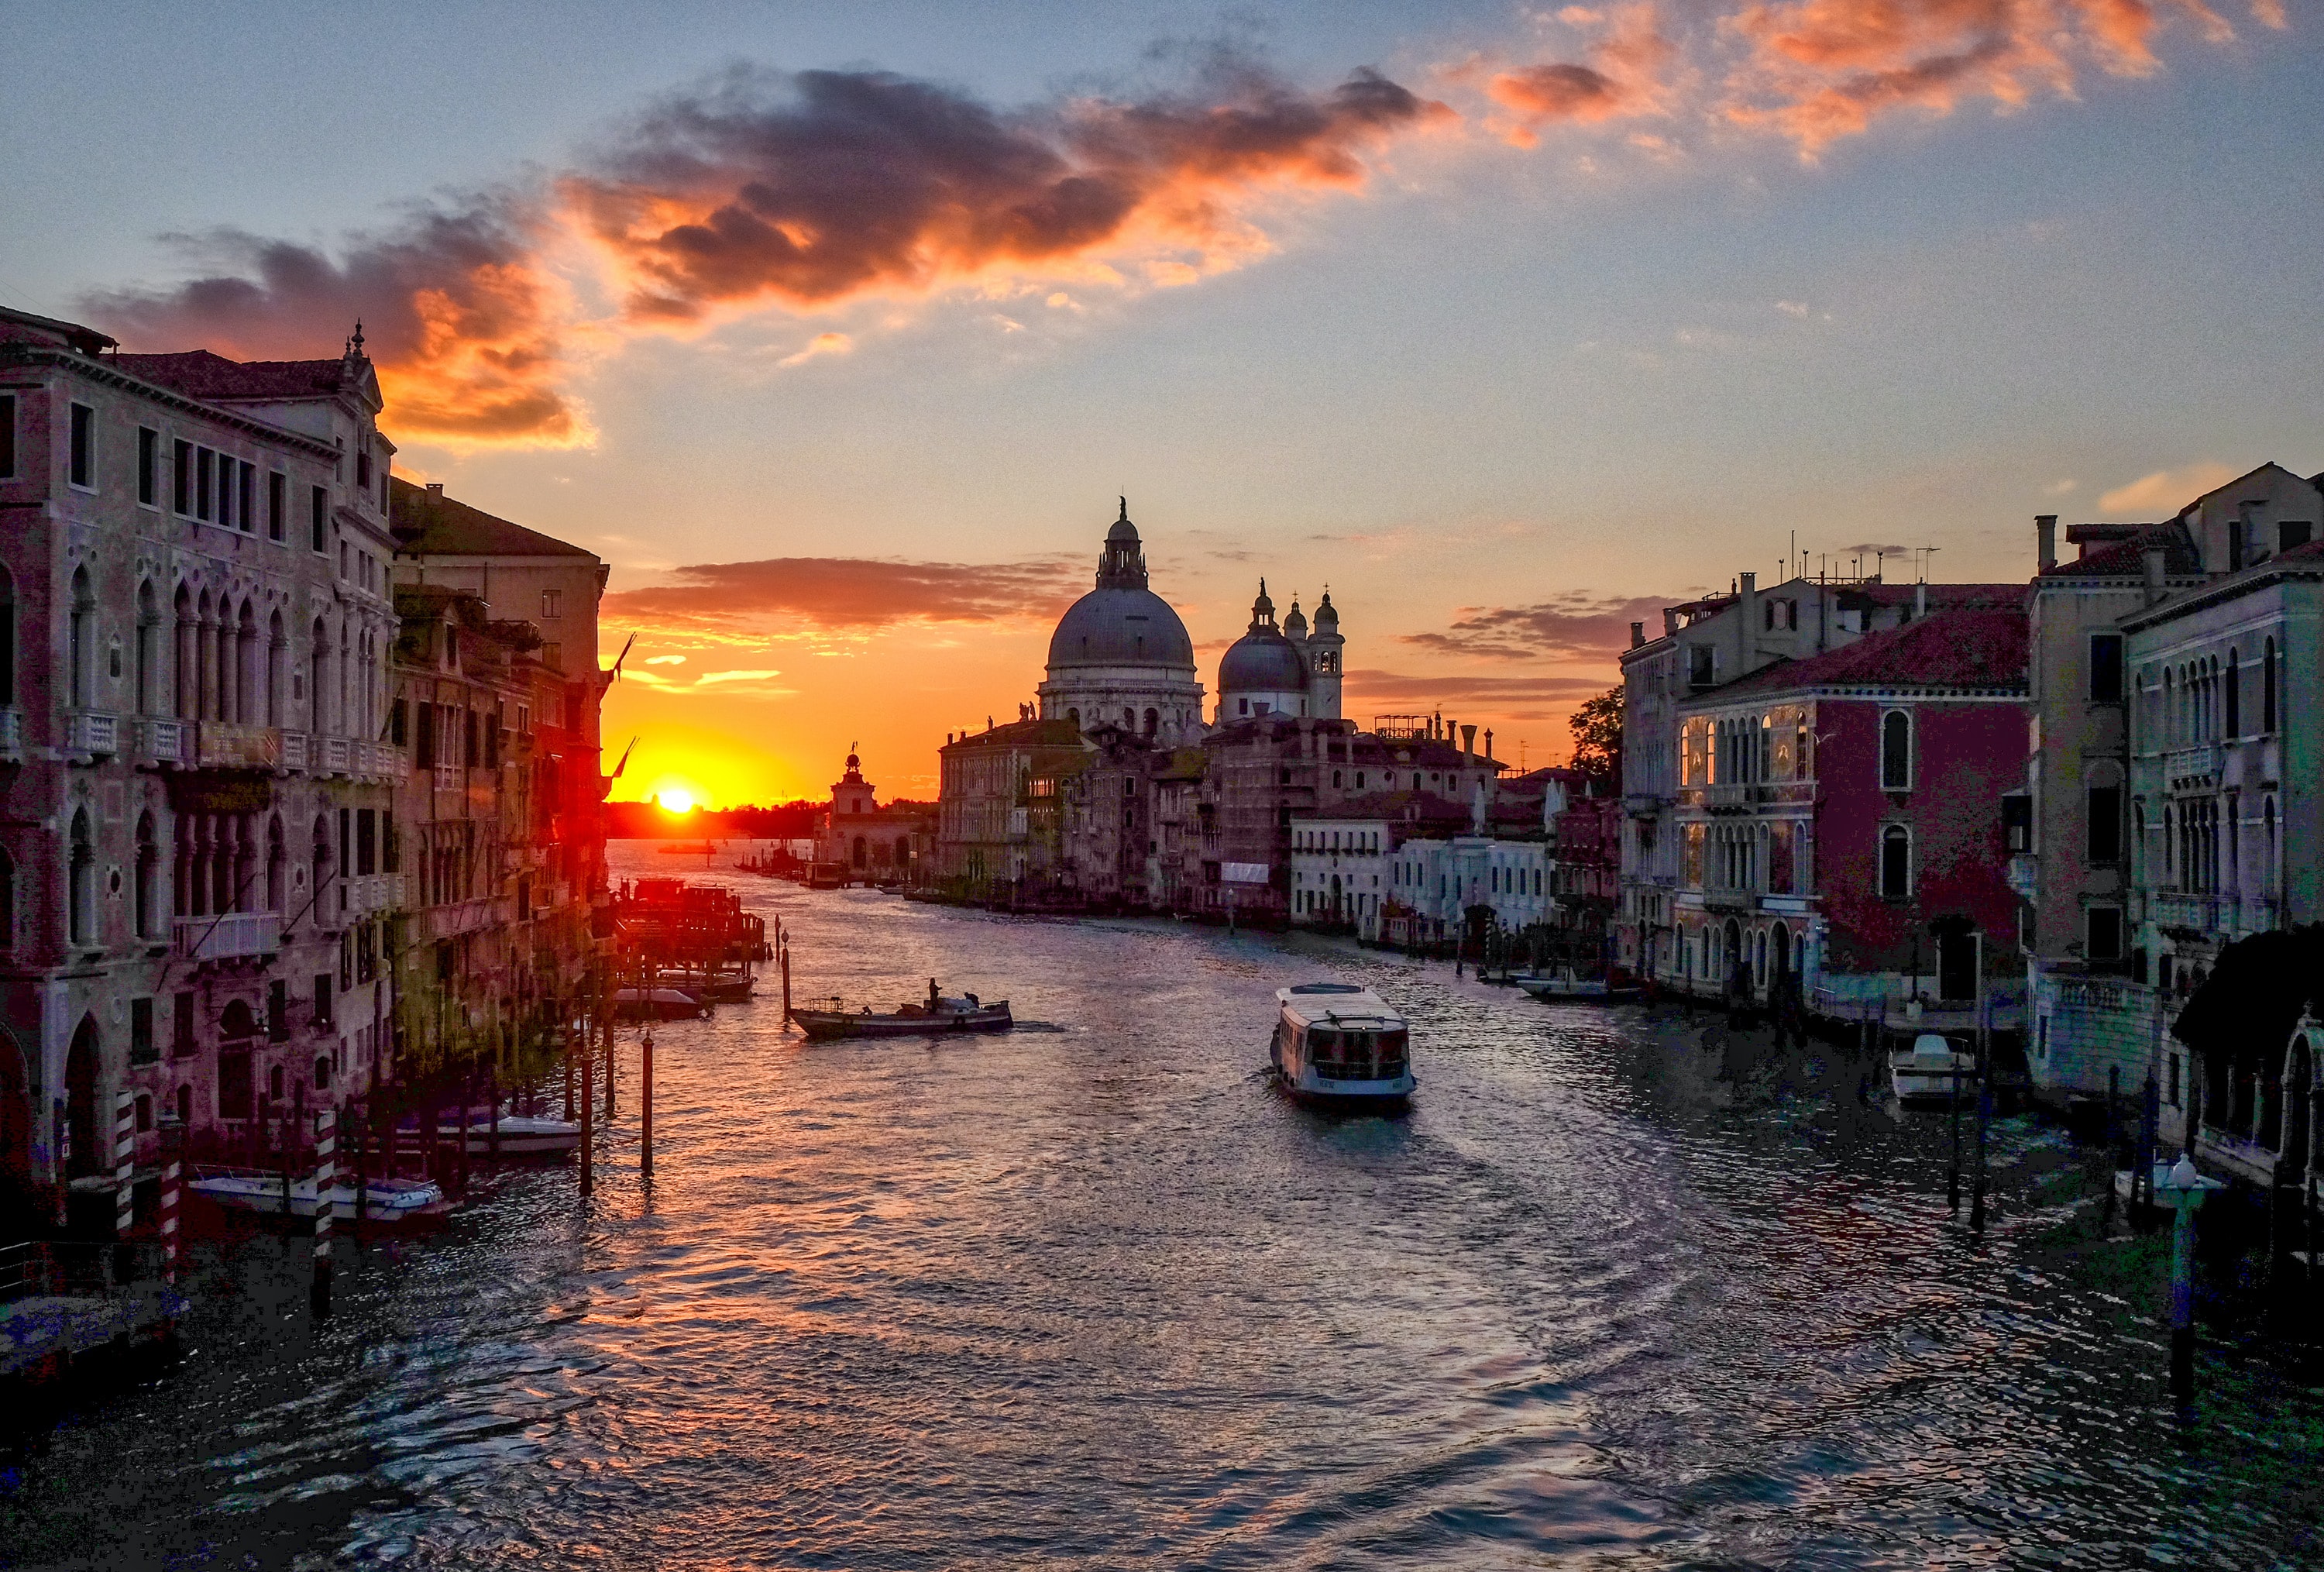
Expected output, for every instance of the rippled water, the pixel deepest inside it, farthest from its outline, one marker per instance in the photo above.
(1096, 1297)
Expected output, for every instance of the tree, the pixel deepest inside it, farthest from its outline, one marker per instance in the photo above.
(1597, 728)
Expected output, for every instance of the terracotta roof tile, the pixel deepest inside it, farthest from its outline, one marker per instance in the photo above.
(430, 523)
(1972, 647)
(199, 373)
(2127, 558)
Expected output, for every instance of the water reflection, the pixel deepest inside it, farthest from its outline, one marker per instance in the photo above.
(1098, 1296)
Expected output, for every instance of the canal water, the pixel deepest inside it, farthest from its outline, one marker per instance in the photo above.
(1091, 1295)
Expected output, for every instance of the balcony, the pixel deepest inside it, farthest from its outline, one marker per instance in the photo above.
(220, 746)
(465, 917)
(12, 733)
(2175, 908)
(89, 732)
(2192, 769)
(370, 892)
(162, 742)
(230, 936)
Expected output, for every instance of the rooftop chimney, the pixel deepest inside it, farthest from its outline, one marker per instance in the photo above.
(436, 489)
(1670, 621)
(1921, 599)
(1638, 633)
(2045, 536)
(2152, 560)
(1750, 582)
(1468, 745)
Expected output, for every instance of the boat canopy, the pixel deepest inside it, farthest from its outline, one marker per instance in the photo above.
(1340, 1004)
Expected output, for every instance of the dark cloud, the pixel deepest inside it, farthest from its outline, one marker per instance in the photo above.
(1576, 625)
(852, 592)
(819, 186)
(1502, 698)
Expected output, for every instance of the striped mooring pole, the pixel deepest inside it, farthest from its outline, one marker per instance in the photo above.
(326, 1141)
(124, 1161)
(173, 1169)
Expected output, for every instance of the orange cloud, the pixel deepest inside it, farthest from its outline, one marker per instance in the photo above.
(850, 592)
(463, 322)
(1624, 77)
(1816, 71)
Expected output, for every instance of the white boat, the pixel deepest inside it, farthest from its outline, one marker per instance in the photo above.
(1927, 1071)
(386, 1198)
(1340, 1046)
(1564, 987)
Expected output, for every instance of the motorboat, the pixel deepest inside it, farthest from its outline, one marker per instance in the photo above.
(386, 1198)
(1340, 1046)
(825, 1018)
(1928, 1070)
(1562, 988)
(657, 1004)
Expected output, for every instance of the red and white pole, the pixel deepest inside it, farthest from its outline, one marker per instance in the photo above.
(327, 1173)
(124, 1161)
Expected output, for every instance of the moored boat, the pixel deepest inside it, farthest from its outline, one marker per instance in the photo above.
(1340, 1046)
(657, 1005)
(520, 1134)
(1928, 1071)
(826, 1018)
(386, 1198)
(1565, 988)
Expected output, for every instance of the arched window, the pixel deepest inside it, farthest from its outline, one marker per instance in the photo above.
(2234, 695)
(2267, 688)
(2170, 846)
(2270, 875)
(1153, 722)
(1896, 751)
(1895, 864)
(322, 863)
(82, 638)
(318, 716)
(81, 906)
(149, 649)
(277, 861)
(184, 668)
(145, 902)
(278, 648)
(323, 1073)
(228, 662)
(249, 657)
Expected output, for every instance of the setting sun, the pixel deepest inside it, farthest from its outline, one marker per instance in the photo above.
(675, 800)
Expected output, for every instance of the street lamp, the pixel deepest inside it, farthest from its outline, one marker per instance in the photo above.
(2182, 1190)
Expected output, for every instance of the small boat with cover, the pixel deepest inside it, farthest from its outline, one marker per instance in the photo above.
(387, 1199)
(1927, 1072)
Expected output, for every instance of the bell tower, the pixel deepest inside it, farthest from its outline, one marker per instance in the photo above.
(1322, 649)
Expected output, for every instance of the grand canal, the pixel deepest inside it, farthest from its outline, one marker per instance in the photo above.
(1092, 1296)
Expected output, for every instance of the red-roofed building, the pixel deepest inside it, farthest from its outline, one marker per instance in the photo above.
(1838, 820)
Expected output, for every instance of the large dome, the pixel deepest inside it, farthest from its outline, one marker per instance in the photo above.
(1119, 625)
(1262, 662)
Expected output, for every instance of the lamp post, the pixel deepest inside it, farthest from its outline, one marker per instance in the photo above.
(2182, 1190)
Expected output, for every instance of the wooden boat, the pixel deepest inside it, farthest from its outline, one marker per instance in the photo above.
(387, 1199)
(657, 1004)
(1340, 1046)
(520, 1134)
(1927, 1071)
(823, 1019)
(1562, 988)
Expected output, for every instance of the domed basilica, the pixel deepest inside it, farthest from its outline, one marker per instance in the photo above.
(1120, 656)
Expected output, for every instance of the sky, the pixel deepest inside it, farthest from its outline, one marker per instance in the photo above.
(837, 331)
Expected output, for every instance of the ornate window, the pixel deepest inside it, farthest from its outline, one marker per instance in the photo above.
(1896, 751)
(1895, 862)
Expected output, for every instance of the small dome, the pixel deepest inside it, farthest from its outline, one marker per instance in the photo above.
(1262, 662)
(1295, 625)
(1123, 530)
(1327, 615)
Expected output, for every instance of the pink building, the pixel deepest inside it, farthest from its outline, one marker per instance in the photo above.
(1839, 822)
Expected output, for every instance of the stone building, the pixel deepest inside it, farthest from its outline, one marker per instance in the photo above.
(196, 853)
(496, 697)
(1000, 809)
(871, 842)
(1839, 822)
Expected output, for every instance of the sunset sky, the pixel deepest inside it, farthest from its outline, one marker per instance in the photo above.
(838, 329)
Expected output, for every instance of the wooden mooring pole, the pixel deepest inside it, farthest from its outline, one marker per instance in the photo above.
(173, 1169)
(124, 1162)
(565, 1028)
(1985, 1117)
(645, 1104)
(588, 1107)
(1952, 1172)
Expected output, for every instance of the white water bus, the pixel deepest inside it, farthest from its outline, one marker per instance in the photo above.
(1340, 1046)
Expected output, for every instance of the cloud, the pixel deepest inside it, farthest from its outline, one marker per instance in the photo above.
(2163, 493)
(707, 678)
(821, 344)
(2060, 487)
(1623, 76)
(1513, 697)
(1817, 71)
(665, 660)
(1575, 626)
(852, 592)
(464, 322)
(807, 190)
(1792, 307)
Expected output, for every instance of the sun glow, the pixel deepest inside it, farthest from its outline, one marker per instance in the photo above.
(675, 800)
